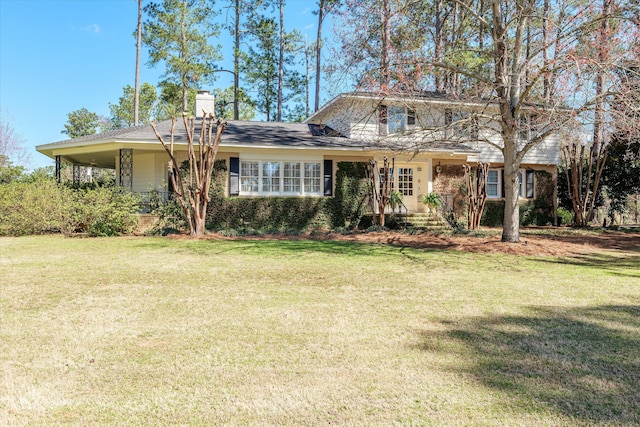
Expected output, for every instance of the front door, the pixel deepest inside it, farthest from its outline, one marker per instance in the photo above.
(405, 184)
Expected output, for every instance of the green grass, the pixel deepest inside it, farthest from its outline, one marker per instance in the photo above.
(154, 331)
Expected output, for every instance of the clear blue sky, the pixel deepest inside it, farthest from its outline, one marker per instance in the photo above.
(57, 56)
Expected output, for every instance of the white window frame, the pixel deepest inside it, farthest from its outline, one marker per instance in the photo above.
(522, 188)
(405, 117)
(497, 183)
(244, 176)
(522, 184)
(303, 177)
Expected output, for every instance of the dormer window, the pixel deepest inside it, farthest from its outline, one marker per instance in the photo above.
(395, 119)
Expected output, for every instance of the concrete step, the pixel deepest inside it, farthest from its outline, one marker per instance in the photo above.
(425, 221)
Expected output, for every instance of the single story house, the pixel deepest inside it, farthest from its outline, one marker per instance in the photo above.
(428, 135)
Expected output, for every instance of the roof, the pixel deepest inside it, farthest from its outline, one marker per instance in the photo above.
(249, 134)
(400, 98)
(238, 133)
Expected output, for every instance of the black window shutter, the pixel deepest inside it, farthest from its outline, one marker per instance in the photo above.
(411, 117)
(234, 176)
(529, 183)
(502, 184)
(328, 178)
(382, 114)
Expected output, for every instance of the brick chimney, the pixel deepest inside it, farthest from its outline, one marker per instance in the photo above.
(204, 101)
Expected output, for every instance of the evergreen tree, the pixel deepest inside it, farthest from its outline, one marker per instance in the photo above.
(177, 33)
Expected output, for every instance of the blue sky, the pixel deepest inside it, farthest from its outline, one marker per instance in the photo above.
(57, 56)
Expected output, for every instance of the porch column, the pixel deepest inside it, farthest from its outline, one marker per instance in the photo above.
(429, 176)
(58, 168)
(126, 168)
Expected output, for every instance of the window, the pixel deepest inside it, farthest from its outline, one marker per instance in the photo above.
(411, 118)
(526, 127)
(270, 177)
(395, 119)
(493, 183)
(291, 177)
(312, 178)
(525, 183)
(249, 177)
(280, 178)
(405, 181)
(468, 128)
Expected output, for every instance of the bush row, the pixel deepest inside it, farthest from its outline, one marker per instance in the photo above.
(44, 206)
(345, 209)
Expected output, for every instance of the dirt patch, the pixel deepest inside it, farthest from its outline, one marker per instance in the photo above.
(548, 244)
(529, 245)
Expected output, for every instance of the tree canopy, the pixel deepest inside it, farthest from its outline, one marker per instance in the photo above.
(178, 33)
(81, 123)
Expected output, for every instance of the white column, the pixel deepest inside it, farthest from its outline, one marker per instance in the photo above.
(429, 176)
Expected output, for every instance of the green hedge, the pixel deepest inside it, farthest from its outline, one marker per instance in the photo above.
(268, 213)
(292, 213)
(44, 206)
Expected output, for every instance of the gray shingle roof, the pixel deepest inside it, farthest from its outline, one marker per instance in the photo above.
(258, 134)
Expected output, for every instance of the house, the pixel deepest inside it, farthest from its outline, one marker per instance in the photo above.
(429, 136)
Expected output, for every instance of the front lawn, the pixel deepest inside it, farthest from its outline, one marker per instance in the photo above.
(155, 331)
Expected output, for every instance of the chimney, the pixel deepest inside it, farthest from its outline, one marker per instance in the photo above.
(204, 101)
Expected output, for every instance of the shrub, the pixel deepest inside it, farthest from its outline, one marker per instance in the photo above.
(351, 194)
(103, 211)
(565, 216)
(44, 206)
(35, 207)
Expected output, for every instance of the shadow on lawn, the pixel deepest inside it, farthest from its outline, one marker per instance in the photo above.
(583, 363)
(287, 246)
(627, 266)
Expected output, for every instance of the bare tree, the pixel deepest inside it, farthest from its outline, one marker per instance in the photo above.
(192, 191)
(11, 144)
(540, 82)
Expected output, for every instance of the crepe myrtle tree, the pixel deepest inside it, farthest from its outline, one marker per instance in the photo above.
(192, 190)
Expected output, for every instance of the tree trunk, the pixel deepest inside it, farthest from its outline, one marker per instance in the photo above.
(136, 98)
(306, 77)
(511, 222)
(185, 76)
(385, 76)
(236, 64)
(316, 105)
(281, 63)
(545, 53)
(438, 45)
